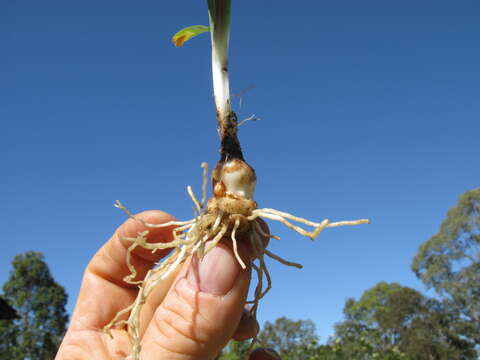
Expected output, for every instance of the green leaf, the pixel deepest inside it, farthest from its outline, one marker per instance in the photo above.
(187, 33)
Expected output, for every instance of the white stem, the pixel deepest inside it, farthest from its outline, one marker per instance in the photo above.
(220, 33)
(221, 86)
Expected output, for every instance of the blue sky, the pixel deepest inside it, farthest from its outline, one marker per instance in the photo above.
(368, 109)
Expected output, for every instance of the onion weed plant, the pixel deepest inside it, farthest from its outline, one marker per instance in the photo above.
(231, 213)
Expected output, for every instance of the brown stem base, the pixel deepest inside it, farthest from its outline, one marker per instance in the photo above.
(229, 143)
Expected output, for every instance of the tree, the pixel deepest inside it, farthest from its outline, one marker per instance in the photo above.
(235, 350)
(40, 304)
(291, 339)
(449, 262)
(398, 322)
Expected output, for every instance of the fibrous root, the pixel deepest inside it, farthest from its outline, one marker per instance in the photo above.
(225, 216)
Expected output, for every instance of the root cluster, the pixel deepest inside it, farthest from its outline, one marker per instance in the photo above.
(221, 218)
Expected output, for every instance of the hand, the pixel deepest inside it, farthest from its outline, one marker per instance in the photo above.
(192, 314)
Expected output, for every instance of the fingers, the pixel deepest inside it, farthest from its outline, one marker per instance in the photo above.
(247, 327)
(154, 300)
(202, 309)
(103, 292)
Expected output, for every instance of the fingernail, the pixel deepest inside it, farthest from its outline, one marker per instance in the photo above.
(215, 273)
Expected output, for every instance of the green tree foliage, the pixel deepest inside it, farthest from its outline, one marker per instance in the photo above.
(449, 262)
(291, 339)
(40, 304)
(296, 340)
(235, 350)
(394, 321)
(362, 349)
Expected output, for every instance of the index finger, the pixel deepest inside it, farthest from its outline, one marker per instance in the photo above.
(104, 292)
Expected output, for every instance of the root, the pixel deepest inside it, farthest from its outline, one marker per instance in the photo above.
(260, 269)
(282, 217)
(258, 290)
(133, 272)
(214, 242)
(119, 205)
(349, 223)
(194, 199)
(199, 236)
(116, 321)
(259, 229)
(277, 217)
(142, 241)
(283, 261)
(234, 242)
(217, 222)
(204, 166)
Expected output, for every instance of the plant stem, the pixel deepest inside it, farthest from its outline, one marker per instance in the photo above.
(219, 14)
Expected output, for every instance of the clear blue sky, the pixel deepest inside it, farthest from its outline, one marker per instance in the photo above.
(368, 109)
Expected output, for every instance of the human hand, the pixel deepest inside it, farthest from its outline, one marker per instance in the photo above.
(191, 315)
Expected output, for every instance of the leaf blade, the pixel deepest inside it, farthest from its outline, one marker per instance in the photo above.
(187, 33)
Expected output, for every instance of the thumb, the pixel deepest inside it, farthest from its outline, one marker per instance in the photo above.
(201, 311)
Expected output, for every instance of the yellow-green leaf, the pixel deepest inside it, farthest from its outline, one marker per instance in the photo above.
(186, 34)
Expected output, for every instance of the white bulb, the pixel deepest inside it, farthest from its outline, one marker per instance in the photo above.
(239, 179)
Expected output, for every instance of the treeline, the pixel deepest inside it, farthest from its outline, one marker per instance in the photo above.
(391, 321)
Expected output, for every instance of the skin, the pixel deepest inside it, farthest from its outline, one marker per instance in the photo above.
(190, 315)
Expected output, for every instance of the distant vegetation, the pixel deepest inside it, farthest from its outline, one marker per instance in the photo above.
(37, 330)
